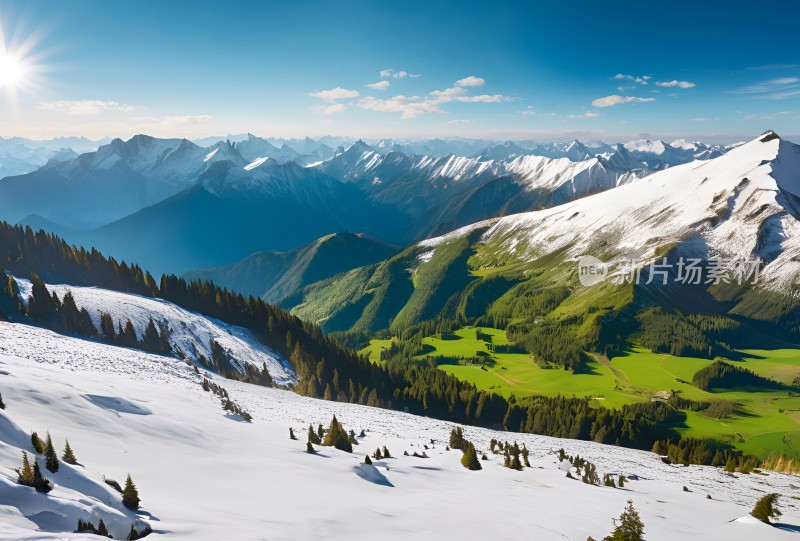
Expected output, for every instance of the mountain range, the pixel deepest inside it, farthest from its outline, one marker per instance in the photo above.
(741, 206)
(160, 201)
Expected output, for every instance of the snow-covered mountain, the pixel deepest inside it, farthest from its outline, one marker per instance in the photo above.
(190, 334)
(447, 192)
(743, 204)
(201, 474)
(19, 156)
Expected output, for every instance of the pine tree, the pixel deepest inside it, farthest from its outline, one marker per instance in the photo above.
(766, 508)
(337, 437)
(386, 452)
(2, 404)
(37, 443)
(629, 527)
(51, 458)
(470, 458)
(515, 464)
(313, 437)
(69, 455)
(130, 495)
(102, 530)
(25, 474)
(310, 448)
(621, 482)
(291, 434)
(367, 460)
(40, 482)
(151, 340)
(133, 535)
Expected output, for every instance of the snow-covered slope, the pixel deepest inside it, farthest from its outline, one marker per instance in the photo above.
(189, 332)
(203, 475)
(742, 204)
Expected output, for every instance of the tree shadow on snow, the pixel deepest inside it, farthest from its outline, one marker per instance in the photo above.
(370, 473)
(794, 528)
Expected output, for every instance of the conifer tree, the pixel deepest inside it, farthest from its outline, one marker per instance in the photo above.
(107, 331)
(40, 482)
(291, 434)
(51, 458)
(2, 404)
(310, 448)
(133, 535)
(313, 437)
(621, 481)
(629, 527)
(367, 460)
(337, 437)
(69, 455)
(102, 530)
(130, 495)
(766, 508)
(151, 340)
(25, 474)
(470, 458)
(386, 452)
(377, 454)
(37, 443)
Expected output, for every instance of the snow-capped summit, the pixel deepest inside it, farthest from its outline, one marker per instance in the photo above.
(740, 205)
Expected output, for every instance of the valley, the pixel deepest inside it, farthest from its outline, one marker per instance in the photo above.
(761, 422)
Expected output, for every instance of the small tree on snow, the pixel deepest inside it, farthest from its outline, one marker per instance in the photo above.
(130, 495)
(69, 455)
(629, 527)
(766, 508)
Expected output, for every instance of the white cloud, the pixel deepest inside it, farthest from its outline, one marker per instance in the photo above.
(402, 74)
(784, 95)
(779, 85)
(529, 111)
(414, 106)
(471, 81)
(587, 114)
(771, 116)
(448, 94)
(615, 99)
(407, 106)
(679, 84)
(85, 107)
(334, 94)
(458, 122)
(331, 109)
(703, 119)
(485, 98)
(642, 80)
(380, 85)
(186, 119)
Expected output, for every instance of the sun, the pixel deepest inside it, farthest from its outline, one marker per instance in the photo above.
(12, 71)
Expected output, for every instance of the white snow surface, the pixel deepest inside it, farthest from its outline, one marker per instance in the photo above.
(203, 475)
(188, 331)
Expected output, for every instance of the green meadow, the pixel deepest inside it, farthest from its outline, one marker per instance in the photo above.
(764, 421)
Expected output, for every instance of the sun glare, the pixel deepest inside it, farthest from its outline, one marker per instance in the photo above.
(12, 71)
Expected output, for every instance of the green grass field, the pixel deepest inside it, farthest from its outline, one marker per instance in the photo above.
(765, 421)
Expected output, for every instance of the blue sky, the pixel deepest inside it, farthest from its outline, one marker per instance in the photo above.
(541, 70)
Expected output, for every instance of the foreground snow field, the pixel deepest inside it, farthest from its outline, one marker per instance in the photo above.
(205, 475)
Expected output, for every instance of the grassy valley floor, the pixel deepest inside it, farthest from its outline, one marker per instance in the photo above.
(763, 421)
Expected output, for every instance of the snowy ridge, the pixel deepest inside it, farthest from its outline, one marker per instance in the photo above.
(742, 204)
(207, 477)
(188, 332)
